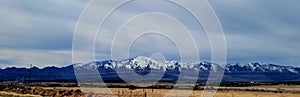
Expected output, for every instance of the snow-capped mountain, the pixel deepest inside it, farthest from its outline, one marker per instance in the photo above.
(260, 67)
(142, 62)
(171, 69)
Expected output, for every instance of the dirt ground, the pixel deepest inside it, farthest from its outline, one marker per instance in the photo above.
(125, 92)
(198, 93)
(12, 94)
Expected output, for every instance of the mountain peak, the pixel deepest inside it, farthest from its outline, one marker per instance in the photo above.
(233, 72)
(142, 62)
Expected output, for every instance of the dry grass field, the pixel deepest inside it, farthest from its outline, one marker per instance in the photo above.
(285, 87)
(198, 93)
(125, 92)
(12, 94)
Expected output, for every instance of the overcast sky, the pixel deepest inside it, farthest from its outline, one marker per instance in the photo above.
(40, 32)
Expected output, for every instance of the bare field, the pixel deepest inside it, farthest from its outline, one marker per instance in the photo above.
(125, 92)
(260, 91)
(13, 94)
(285, 87)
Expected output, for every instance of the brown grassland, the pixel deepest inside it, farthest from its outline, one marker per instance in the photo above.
(125, 92)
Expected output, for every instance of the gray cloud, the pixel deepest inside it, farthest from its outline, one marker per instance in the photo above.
(37, 32)
(40, 58)
(41, 32)
(261, 30)
(38, 24)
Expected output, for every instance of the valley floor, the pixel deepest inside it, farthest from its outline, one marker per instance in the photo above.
(13, 94)
(124, 92)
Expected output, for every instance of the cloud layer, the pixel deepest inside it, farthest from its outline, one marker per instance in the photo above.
(41, 32)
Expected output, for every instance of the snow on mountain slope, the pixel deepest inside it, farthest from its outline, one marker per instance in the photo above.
(110, 70)
(260, 67)
(142, 62)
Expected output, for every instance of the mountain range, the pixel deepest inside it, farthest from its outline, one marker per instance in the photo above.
(111, 70)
